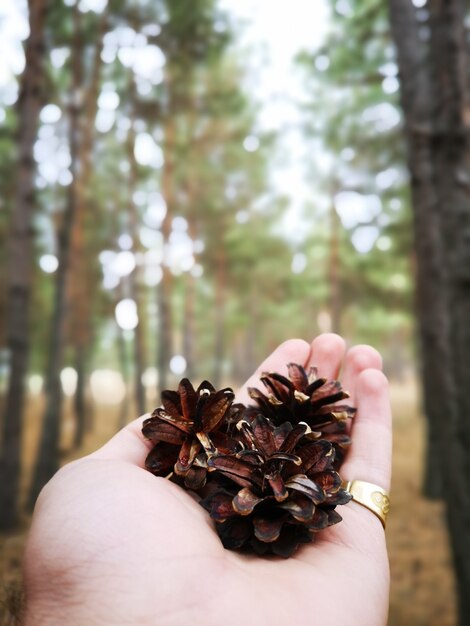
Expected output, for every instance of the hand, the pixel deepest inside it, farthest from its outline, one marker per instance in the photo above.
(112, 544)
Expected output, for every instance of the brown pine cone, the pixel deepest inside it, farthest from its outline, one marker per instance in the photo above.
(282, 489)
(303, 397)
(180, 431)
(267, 474)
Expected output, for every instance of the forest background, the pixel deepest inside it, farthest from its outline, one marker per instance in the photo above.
(185, 184)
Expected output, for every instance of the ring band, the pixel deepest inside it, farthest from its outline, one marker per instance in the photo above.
(370, 496)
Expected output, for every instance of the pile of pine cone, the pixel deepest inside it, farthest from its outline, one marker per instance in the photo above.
(267, 473)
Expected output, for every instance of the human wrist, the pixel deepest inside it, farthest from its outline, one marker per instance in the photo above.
(78, 611)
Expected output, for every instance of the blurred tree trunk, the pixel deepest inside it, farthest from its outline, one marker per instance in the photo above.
(139, 358)
(396, 363)
(190, 281)
(431, 280)
(79, 399)
(81, 287)
(220, 298)
(124, 409)
(334, 268)
(450, 147)
(124, 362)
(48, 454)
(251, 337)
(435, 104)
(20, 264)
(164, 290)
(188, 323)
(165, 287)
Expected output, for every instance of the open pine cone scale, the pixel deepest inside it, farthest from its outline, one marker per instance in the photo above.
(267, 473)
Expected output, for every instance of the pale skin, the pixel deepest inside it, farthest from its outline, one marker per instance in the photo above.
(113, 545)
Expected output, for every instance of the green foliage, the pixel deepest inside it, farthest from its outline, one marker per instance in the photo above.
(240, 262)
(354, 116)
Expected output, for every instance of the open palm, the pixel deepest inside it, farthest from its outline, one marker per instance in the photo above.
(112, 544)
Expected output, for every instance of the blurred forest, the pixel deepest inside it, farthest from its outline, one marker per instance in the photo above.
(146, 234)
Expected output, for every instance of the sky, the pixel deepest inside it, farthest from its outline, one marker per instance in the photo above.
(281, 34)
(273, 37)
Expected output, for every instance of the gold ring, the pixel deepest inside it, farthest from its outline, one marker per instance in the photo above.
(370, 496)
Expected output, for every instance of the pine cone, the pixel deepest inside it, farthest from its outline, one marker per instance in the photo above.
(181, 429)
(267, 474)
(303, 397)
(288, 489)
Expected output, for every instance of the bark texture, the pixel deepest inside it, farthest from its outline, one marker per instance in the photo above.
(20, 263)
(431, 282)
(435, 105)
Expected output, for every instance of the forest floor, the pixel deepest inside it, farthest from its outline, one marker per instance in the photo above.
(422, 592)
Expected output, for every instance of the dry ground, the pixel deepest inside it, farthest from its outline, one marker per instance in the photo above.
(422, 584)
(422, 592)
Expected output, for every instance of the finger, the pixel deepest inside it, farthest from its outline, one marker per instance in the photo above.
(292, 351)
(128, 445)
(327, 352)
(370, 455)
(358, 359)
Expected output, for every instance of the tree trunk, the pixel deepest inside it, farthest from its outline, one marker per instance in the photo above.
(334, 269)
(48, 455)
(164, 290)
(450, 148)
(189, 332)
(431, 282)
(124, 409)
(250, 344)
(81, 286)
(188, 324)
(79, 400)
(438, 153)
(20, 264)
(139, 358)
(165, 287)
(219, 312)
